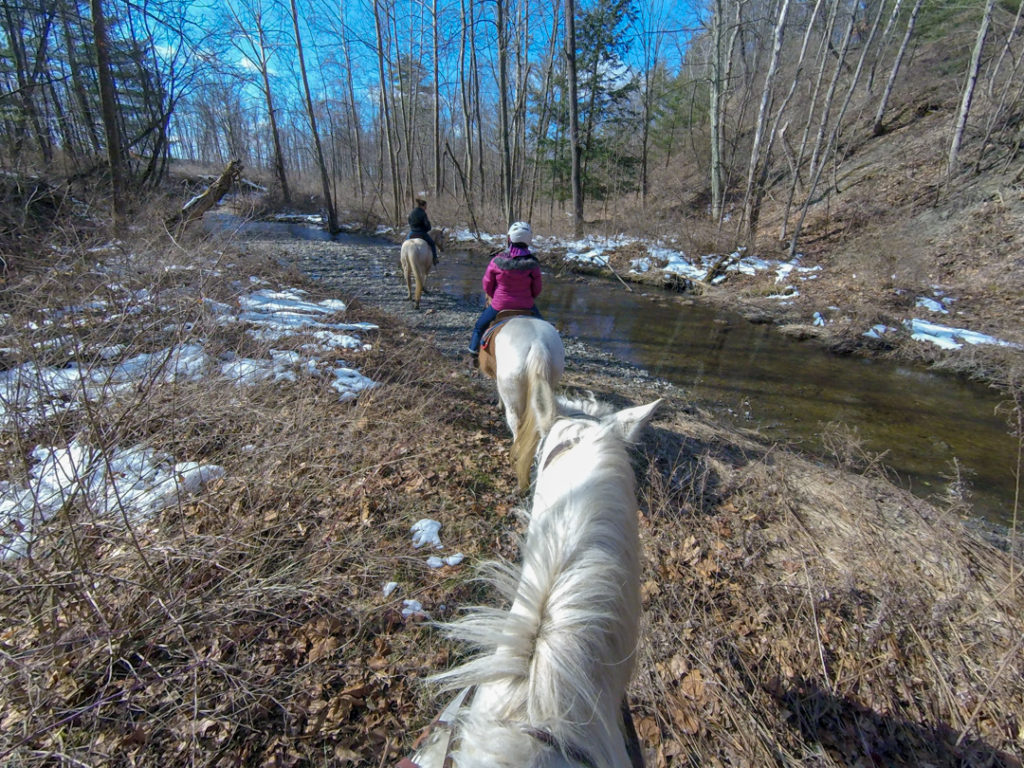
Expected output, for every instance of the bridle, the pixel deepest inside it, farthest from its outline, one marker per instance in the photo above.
(445, 723)
(568, 443)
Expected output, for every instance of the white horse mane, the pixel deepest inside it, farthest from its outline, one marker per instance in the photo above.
(559, 659)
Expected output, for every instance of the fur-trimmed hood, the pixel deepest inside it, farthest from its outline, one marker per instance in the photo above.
(525, 263)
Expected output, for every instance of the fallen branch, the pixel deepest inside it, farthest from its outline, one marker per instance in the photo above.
(200, 204)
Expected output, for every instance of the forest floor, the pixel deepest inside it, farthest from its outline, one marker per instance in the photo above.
(796, 612)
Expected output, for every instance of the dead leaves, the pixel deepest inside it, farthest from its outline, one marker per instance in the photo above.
(686, 697)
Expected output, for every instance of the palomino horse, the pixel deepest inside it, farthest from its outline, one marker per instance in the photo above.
(520, 353)
(547, 689)
(417, 261)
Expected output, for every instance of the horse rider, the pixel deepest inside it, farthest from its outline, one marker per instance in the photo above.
(512, 281)
(419, 225)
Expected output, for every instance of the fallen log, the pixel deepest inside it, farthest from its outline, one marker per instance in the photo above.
(200, 204)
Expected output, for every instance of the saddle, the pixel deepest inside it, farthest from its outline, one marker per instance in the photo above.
(488, 362)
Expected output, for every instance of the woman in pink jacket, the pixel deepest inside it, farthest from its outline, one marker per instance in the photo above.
(512, 281)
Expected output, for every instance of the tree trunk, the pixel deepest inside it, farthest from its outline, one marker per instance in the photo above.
(574, 117)
(357, 133)
(877, 129)
(802, 149)
(890, 25)
(1010, 36)
(108, 110)
(506, 155)
(194, 209)
(386, 110)
(282, 179)
(749, 216)
(834, 135)
(325, 182)
(466, 96)
(715, 109)
(78, 85)
(996, 115)
(437, 104)
(968, 94)
(544, 116)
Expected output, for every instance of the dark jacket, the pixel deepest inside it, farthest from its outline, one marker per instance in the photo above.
(418, 221)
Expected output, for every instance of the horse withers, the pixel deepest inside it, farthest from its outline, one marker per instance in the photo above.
(523, 352)
(548, 686)
(417, 260)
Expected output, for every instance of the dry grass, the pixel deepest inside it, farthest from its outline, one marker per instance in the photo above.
(794, 614)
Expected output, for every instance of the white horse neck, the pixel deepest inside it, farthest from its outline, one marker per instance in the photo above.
(573, 625)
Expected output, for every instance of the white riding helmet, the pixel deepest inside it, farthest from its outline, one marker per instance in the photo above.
(520, 232)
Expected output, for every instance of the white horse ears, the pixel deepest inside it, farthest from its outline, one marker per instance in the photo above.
(630, 422)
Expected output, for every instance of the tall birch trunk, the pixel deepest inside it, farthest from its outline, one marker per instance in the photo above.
(889, 27)
(467, 111)
(877, 128)
(837, 127)
(968, 94)
(811, 110)
(715, 110)
(282, 179)
(751, 205)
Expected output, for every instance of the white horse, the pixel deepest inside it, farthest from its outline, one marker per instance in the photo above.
(548, 688)
(417, 261)
(524, 353)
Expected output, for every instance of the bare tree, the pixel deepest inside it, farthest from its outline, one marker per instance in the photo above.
(890, 25)
(504, 138)
(968, 93)
(250, 40)
(823, 59)
(354, 119)
(387, 138)
(828, 149)
(877, 128)
(752, 196)
(108, 110)
(435, 18)
(716, 85)
(574, 116)
(998, 114)
(325, 182)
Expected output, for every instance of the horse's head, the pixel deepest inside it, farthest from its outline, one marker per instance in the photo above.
(574, 422)
(440, 238)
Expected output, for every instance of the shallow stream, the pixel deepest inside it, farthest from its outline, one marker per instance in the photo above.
(926, 423)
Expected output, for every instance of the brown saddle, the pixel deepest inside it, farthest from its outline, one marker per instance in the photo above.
(488, 362)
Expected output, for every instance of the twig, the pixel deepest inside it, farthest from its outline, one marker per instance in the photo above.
(1010, 654)
(612, 270)
(817, 631)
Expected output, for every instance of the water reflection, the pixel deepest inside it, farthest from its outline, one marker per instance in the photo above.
(787, 389)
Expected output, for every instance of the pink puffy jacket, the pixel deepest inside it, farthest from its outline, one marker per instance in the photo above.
(512, 279)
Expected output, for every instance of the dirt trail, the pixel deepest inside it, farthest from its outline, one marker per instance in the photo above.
(369, 273)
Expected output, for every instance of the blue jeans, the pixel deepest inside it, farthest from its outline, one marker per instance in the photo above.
(486, 318)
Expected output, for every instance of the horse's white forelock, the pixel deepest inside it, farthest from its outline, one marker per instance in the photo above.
(561, 657)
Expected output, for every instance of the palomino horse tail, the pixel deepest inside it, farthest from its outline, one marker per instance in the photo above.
(540, 412)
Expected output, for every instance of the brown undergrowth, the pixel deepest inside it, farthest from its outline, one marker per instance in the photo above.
(795, 614)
